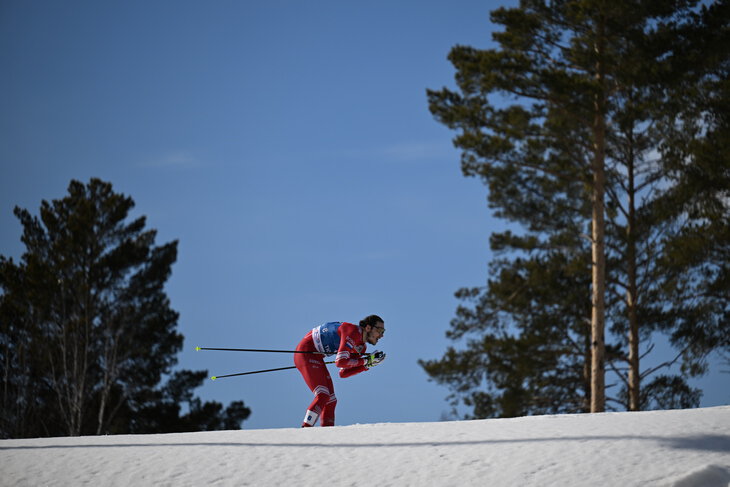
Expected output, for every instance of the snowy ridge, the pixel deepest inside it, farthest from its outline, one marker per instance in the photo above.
(686, 448)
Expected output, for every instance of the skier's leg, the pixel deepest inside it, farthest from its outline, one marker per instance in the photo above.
(315, 374)
(328, 412)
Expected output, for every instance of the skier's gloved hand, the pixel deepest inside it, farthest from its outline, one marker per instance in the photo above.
(374, 359)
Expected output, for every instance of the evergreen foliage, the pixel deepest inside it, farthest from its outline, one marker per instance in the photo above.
(86, 329)
(655, 75)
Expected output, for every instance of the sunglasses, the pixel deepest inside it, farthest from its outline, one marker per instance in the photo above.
(381, 330)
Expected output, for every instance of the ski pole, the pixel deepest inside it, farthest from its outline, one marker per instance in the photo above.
(257, 372)
(197, 349)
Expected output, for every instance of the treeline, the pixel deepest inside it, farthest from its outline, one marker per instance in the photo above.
(601, 129)
(87, 333)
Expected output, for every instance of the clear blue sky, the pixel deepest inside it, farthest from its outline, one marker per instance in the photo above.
(289, 148)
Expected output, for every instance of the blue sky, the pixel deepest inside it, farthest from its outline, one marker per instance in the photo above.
(288, 146)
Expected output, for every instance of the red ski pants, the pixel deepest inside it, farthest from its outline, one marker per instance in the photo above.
(317, 377)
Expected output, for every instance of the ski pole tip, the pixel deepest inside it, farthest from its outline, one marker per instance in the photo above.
(213, 378)
(197, 349)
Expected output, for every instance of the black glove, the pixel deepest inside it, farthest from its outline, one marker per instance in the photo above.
(374, 359)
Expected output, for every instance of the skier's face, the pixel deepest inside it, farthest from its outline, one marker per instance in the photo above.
(375, 333)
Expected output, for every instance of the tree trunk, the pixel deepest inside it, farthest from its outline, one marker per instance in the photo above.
(598, 251)
(631, 294)
(598, 315)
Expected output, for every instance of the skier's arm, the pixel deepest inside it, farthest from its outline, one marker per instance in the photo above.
(345, 373)
(348, 360)
(371, 360)
(347, 357)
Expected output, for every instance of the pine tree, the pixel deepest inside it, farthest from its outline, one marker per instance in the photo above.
(591, 89)
(689, 51)
(86, 329)
(695, 269)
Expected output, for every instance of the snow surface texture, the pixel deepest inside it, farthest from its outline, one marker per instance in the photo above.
(663, 448)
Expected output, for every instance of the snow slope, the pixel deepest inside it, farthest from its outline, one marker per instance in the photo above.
(658, 448)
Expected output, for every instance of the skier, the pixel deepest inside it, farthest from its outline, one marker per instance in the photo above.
(348, 341)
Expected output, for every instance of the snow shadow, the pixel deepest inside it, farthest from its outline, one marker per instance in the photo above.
(710, 443)
(718, 443)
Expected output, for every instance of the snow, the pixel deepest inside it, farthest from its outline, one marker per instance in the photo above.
(656, 448)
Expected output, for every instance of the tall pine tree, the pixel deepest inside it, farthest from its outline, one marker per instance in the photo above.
(695, 270)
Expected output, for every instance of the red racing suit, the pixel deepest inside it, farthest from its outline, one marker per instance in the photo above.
(344, 339)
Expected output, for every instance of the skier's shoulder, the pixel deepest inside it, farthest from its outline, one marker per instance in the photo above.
(346, 328)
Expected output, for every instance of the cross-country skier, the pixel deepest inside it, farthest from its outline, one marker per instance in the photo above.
(348, 341)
